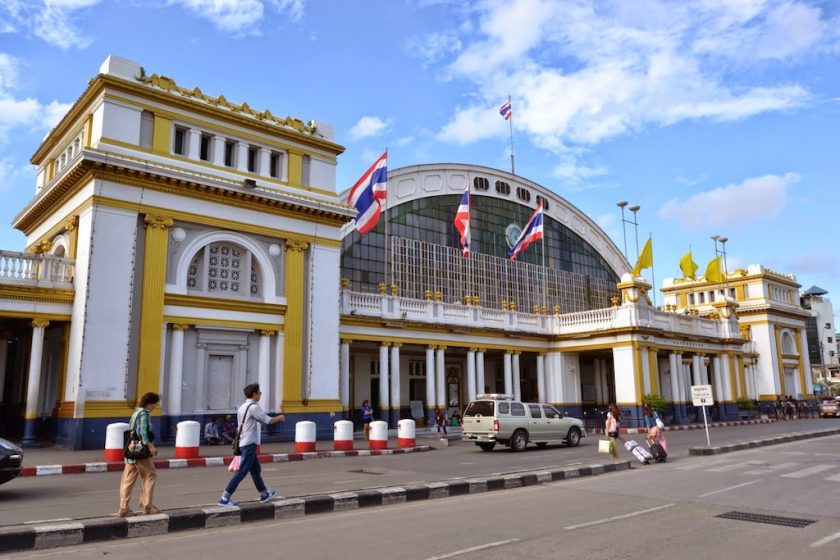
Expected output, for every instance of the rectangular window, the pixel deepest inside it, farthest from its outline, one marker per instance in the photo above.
(252, 159)
(180, 146)
(535, 410)
(550, 411)
(517, 409)
(229, 147)
(147, 124)
(306, 175)
(504, 408)
(275, 165)
(204, 152)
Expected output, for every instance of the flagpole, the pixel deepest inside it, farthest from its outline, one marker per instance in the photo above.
(469, 240)
(389, 264)
(652, 268)
(510, 123)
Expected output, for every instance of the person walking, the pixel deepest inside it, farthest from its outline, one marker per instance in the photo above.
(612, 426)
(141, 425)
(367, 417)
(440, 420)
(250, 416)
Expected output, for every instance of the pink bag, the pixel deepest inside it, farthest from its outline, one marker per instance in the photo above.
(663, 443)
(234, 465)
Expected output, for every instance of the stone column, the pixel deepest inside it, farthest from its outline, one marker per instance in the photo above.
(541, 378)
(508, 374)
(696, 374)
(384, 395)
(643, 355)
(704, 370)
(344, 373)
(293, 340)
(440, 377)
(33, 386)
(241, 160)
(479, 371)
(176, 369)
(264, 164)
(193, 144)
(264, 371)
(674, 361)
(218, 155)
(394, 372)
(517, 382)
(431, 401)
(716, 361)
(726, 380)
(471, 374)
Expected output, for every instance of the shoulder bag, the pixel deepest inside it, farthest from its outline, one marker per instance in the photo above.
(134, 448)
(236, 450)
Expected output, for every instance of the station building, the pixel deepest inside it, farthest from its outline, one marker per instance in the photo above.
(181, 243)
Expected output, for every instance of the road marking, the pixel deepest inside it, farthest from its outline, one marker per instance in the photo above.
(736, 466)
(48, 520)
(473, 549)
(618, 517)
(826, 540)
(704, 464)
(770, 468)
(835, 478)
(807, 472)
(729, 488)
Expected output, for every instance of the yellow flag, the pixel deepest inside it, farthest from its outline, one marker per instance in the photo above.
(645, 259)
(713, 271)
(688, 266)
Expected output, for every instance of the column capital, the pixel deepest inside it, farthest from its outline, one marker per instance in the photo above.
(431, 347)
(508, 352)
(154, 221)
(441, 348)
(396, 344)
(179, 326)
(385, 343)
(473, 350)
(39, 323)
(71, 223)
(267, 333)
(296, 246)
(347, 341)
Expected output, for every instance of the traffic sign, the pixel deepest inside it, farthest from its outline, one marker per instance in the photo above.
(701, 395)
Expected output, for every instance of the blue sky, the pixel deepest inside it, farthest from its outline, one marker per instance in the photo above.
(716, 116)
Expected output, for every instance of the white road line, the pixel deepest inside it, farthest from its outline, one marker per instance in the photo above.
(826, 540)
(618, 517)
(808, 472)
(736, 466)
(729, 488)
(473, 549)
(703, 465)
(770, 468)
(835, 478)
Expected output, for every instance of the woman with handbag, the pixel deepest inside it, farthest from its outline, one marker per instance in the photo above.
(140, 449)
(612, 426)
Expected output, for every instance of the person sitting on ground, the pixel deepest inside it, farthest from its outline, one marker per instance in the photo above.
(228, 429)
(211, 432)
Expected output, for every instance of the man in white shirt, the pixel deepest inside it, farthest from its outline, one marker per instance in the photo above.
(250, 416)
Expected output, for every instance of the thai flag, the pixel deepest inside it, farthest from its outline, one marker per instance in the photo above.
(532, 232)
(462, 221)
(367, 193)
(505, 110)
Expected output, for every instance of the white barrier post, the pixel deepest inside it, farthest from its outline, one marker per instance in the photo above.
(406, 429)
(378, 435)
(114, 441)
(305, 436)
(343, 435)
(187, 439)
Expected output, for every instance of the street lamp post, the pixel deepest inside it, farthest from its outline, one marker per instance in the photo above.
(635, 208)
(722, 252)
(621, 204)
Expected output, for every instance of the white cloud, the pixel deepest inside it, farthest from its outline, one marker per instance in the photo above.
(29, 113)
(583, 72)
(12, 174)
(732, 205)
(50, 20)
(369, 126)
(236, 16)
(432, 47)
(294, 8)
(818, 264)
(404, 141)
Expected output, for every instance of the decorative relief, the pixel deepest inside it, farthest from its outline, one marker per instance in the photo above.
(40, 323)
(158, 222)
(297, 246)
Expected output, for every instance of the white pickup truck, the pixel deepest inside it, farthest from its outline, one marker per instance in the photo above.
(495, 418)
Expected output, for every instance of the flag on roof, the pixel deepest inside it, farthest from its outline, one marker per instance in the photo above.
(505, 110)
(533, 231)
(367, 194)
(462, 221)
(645, 258)
(713, 271)
(688, 267)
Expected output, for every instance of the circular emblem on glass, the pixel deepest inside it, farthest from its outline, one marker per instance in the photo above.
(512, 233)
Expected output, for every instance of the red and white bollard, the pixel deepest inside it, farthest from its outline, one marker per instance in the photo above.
(406, 433)
(187, 439)
(378, 435)
(305, 436)
(343, 435)
(114, 441)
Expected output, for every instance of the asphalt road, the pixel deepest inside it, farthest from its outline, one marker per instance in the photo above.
(93, 495)
(651, 512)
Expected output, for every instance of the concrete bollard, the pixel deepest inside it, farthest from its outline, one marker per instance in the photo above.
(187, 439)
(343, 435)
(115, 442)
(305, 436)
(406, 433)
(378, 435)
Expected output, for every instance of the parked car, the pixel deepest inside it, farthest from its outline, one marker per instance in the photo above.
(11, 460)
(829, 408)
(499, 419)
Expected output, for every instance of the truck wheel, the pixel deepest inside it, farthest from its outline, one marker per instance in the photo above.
(573, 438)
(487, 446)
(519, 440)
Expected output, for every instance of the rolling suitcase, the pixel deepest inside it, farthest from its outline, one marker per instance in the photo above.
(658, 452)
(639, 452)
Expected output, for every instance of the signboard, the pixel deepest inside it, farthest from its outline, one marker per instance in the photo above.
(701, 395)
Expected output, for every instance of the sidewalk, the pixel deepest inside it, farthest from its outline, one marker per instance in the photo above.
(47, 461)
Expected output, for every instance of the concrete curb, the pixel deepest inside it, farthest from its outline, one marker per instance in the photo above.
(793, 436)
(85, 468)
(679, 428)
(69, 533)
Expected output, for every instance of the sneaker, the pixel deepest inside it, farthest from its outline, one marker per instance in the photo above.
(267, 496)
(227, 502)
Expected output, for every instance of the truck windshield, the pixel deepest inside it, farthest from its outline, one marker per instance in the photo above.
(479, 408)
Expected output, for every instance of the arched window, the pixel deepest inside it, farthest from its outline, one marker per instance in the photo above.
(224, 268)
(788, 346)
